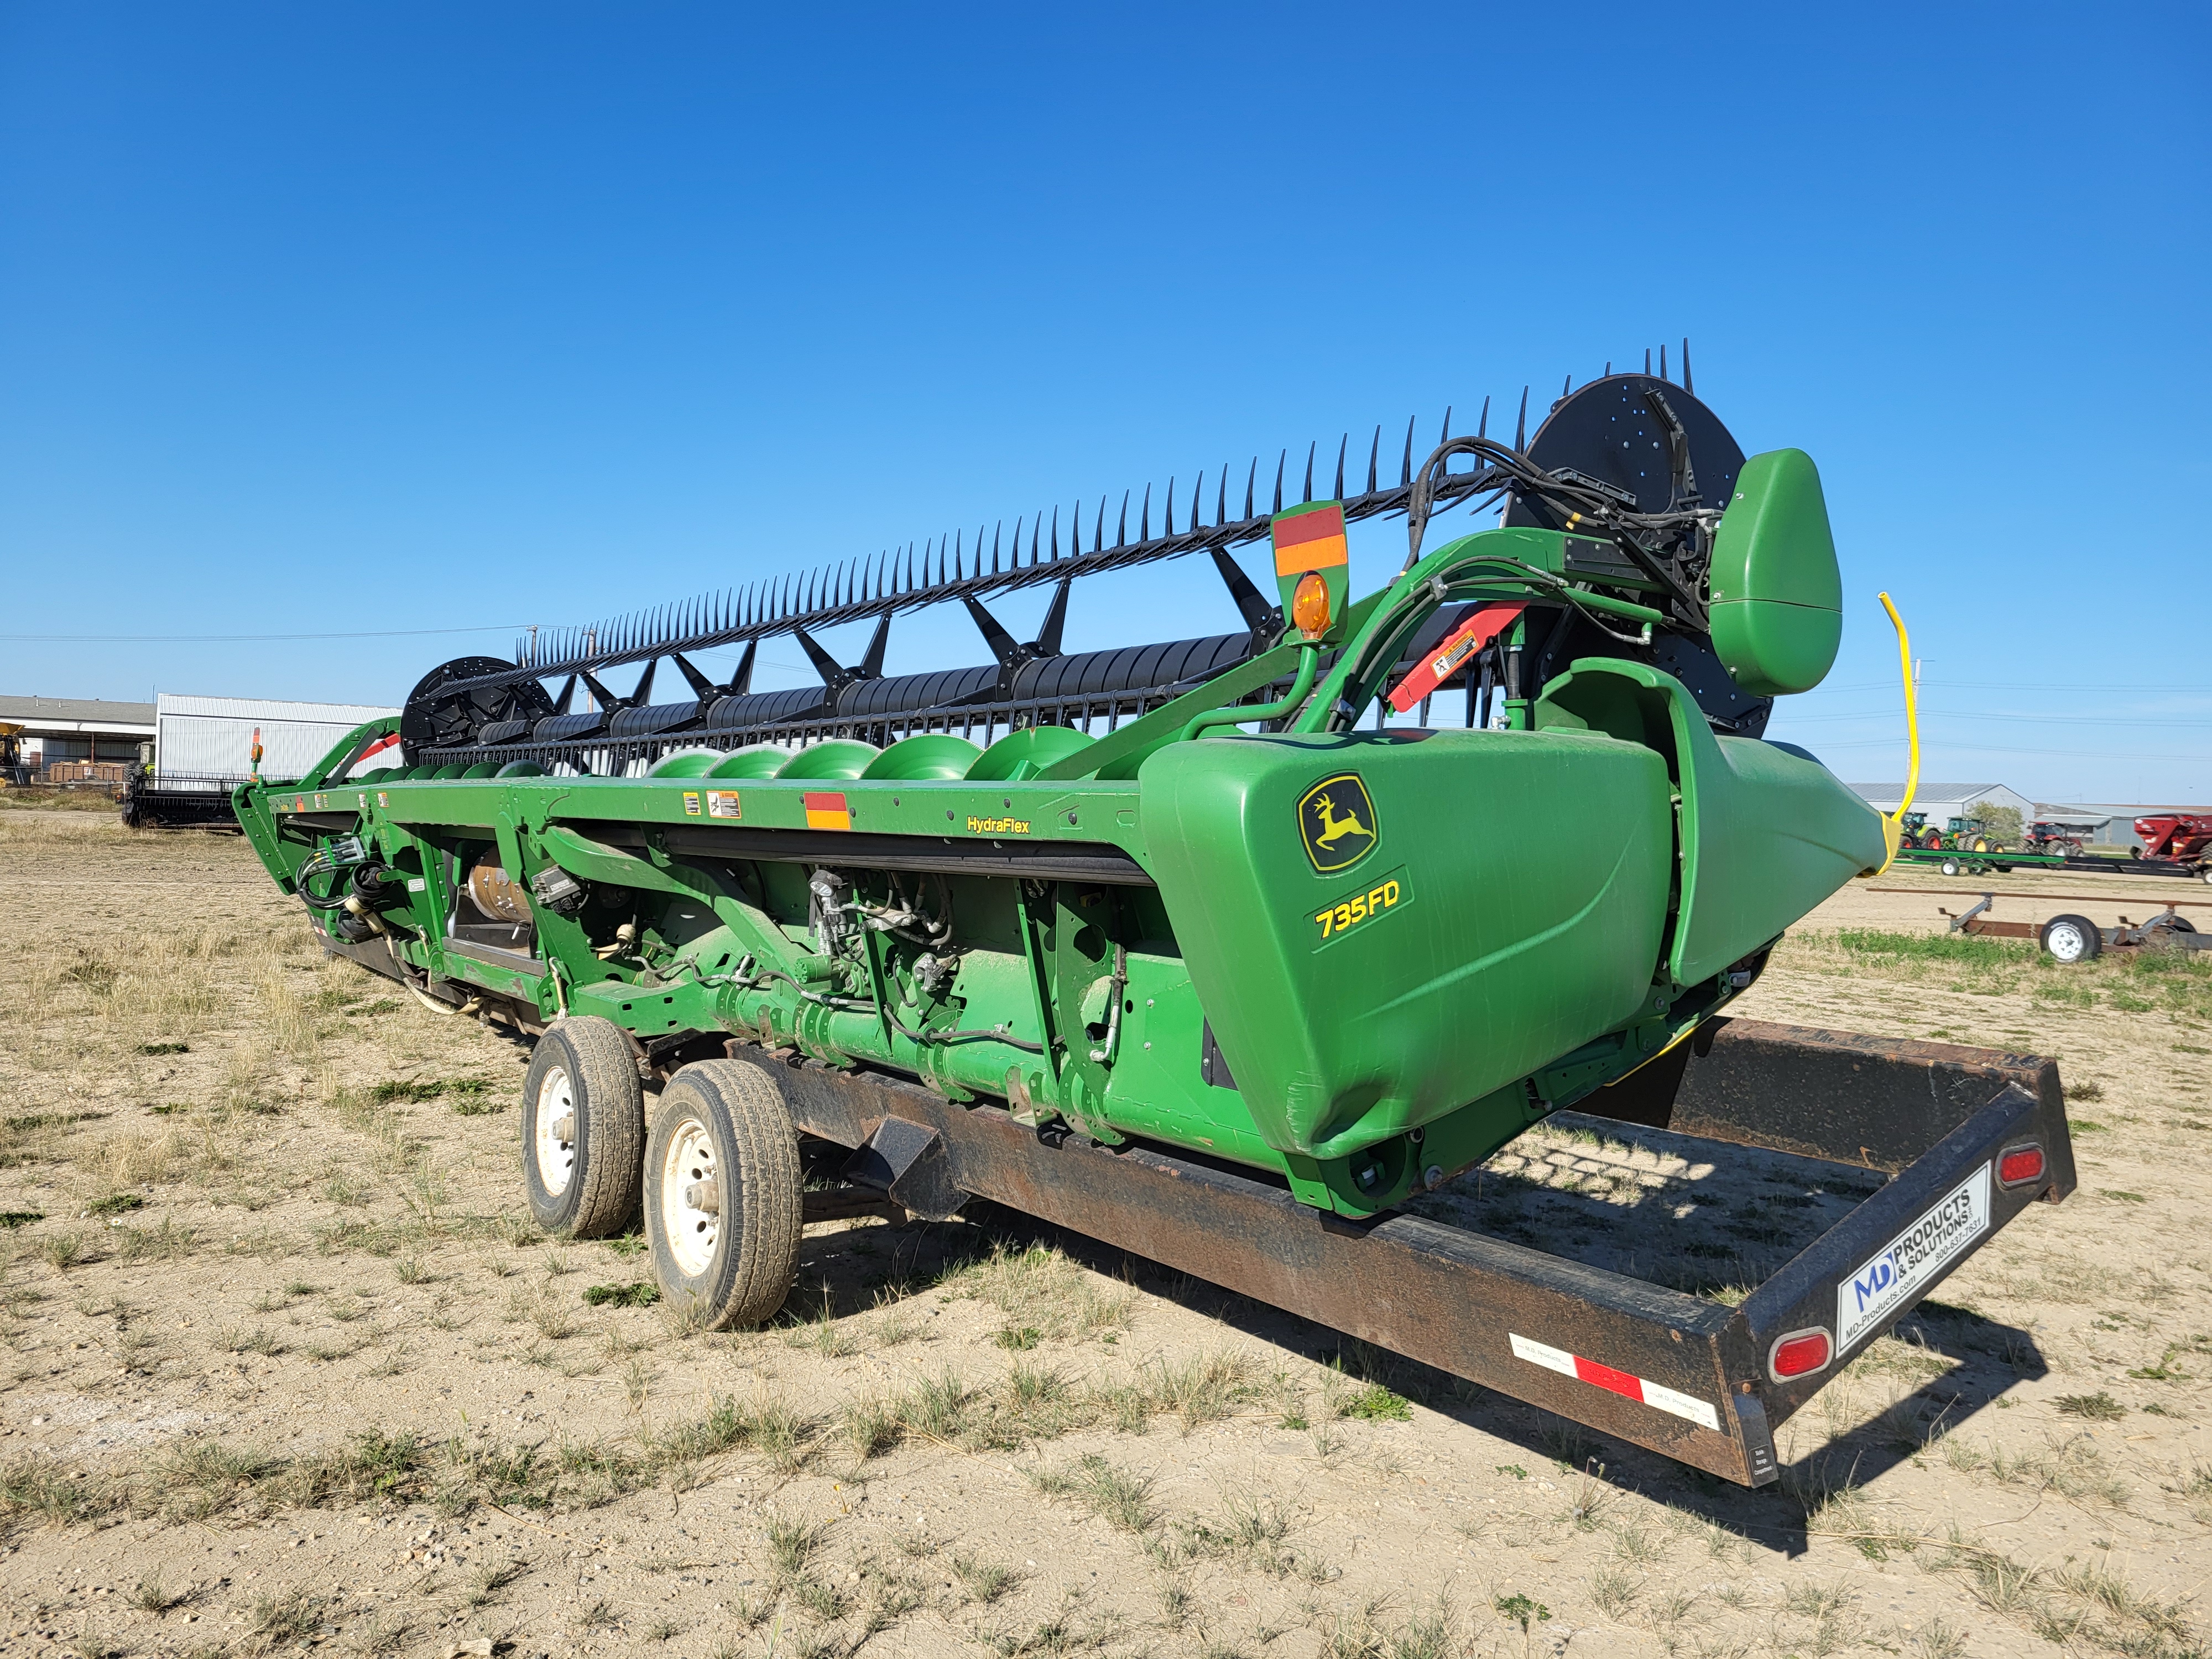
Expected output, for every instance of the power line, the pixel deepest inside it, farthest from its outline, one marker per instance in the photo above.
(2027, 685)
(1998, 748)
(243, 639)
(2106, 720)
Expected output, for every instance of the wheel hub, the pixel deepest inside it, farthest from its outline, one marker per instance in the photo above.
(690, 1198)
(556, 1130)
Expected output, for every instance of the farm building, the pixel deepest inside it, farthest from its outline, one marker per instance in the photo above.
(79, 734)
(1942, 802)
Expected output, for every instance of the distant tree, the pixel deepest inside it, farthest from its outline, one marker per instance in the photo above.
(2002, 823)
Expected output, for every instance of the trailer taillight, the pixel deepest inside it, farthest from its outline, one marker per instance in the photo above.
(2018, 1165)
(1800, 1353)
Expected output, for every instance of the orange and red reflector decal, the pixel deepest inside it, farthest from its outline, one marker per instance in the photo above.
(2018, 1165)
(1639, 1388)
(828, 812)
(1800, 1353)
(1452, 654)
(1310, 541)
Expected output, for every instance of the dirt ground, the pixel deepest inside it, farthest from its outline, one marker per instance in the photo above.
(286, 1367)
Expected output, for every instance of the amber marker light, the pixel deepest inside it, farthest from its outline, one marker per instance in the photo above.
(1310, 605)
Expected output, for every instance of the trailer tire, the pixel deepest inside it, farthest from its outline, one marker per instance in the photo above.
(2071, 938)
(582, 1177)
(722, 1205)
(1950, 867)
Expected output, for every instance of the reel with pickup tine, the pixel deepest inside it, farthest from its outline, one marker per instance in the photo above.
(1632, 460)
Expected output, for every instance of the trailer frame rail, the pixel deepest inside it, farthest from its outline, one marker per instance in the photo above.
(1688, 1377)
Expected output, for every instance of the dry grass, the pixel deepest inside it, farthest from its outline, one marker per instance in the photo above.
(1044, 1297)
(281, 1195)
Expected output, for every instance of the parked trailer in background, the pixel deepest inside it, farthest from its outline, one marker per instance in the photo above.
(2181, 837)
(205, 747)
(2069, 939)
(215, 737)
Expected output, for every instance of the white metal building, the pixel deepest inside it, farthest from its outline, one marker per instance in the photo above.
(1942, 802)
(214, 736)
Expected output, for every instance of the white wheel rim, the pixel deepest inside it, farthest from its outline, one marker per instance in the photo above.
(688, 1169)
(556, 1119)
(2066, 942)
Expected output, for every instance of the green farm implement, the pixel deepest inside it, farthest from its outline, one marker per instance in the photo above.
(1170, 946)
(1975, 861)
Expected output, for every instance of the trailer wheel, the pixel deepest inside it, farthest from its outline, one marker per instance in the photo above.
(722, 1206)
(583, 1129)
(2072, 938)
(1950, 867)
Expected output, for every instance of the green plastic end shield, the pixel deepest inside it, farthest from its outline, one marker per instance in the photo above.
(1777, 596)
(1313, 570)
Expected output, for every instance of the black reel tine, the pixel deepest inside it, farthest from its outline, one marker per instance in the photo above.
(940, 569)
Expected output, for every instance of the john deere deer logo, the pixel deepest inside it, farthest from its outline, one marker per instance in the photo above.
(1337, 820)
(1335, 829)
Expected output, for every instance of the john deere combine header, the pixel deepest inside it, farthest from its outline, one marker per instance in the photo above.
(1172, 945)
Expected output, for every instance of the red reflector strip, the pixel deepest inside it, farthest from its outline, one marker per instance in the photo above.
(1311, 540)
(1798, 1354)
(827, 812)
(2019, 1165)
(1638, 1388)
(1317, 525)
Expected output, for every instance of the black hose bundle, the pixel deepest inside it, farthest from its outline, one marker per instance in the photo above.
(370, 882)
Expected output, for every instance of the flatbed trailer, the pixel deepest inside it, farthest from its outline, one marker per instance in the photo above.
(2069, 939)
(1967, 1138)
(2005, 861)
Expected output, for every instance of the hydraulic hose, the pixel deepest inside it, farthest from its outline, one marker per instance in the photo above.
(1893, 823)
(750, 976)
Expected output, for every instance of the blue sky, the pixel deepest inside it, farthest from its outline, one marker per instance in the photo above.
(349, 319)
